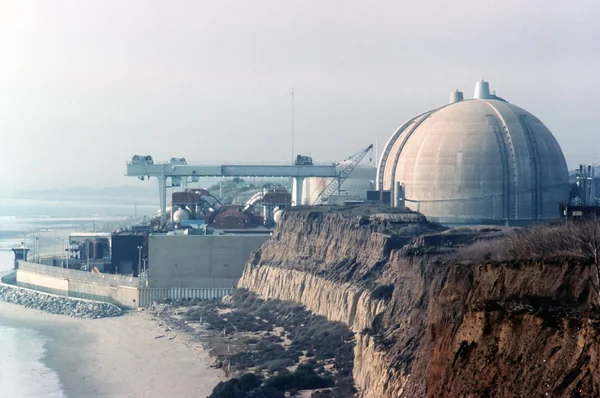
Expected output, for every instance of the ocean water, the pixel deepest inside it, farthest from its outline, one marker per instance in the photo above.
(23, 373)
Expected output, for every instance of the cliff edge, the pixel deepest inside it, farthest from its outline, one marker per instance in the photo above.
(426, 322)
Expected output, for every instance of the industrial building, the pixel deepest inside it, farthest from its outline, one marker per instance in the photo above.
(199, 261)
(583, 203)
(475, 161)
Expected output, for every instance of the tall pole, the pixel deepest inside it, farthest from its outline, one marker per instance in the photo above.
(68, 251)
(293, 111)
(87, 252)
(162, 191)
(140, 259)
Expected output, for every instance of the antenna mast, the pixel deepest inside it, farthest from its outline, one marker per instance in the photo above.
(293, 125)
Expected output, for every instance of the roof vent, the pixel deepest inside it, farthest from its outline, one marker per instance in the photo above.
(482, 90)
(456, 96)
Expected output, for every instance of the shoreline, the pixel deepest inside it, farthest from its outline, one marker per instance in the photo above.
(119, 357)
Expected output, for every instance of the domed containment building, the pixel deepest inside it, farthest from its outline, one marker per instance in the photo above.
(477, 161)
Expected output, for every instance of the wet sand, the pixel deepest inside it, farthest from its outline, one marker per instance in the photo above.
(119, 357)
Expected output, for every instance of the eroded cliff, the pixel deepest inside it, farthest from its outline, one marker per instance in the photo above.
(427, 325)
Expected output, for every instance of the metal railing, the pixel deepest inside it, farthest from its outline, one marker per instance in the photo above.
(148, 296)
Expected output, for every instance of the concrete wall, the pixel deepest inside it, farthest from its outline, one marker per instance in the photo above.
(47, 281)
(93, 287)
(113, 289)
(199, 261)
(125, 296)
(9, 277)
(122, 280)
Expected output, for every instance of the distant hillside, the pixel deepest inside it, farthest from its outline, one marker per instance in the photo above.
(144, 193)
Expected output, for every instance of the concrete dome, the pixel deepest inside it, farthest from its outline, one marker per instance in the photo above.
(476, 161)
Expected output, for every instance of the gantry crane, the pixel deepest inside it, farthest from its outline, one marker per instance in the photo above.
(343, 174)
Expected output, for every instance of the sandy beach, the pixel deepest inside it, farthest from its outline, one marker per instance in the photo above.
(119, 357)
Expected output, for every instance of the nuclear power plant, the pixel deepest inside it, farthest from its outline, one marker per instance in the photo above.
(479, 161)
(475, 161)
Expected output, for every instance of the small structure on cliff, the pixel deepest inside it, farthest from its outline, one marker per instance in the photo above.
(20, 254)
(477, 161)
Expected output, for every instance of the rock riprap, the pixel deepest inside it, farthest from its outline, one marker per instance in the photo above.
(57, 305)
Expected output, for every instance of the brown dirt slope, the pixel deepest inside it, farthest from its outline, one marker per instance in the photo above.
(447, 330)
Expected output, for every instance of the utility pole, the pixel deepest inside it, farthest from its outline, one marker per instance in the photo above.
(293, 111)
(140, 259)
(62, 258)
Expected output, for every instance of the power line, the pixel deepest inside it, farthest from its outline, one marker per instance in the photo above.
(293, 111)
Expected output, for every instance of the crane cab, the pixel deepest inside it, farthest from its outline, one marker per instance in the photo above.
(302, 160)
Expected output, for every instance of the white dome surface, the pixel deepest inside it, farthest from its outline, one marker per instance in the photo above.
(476, 160)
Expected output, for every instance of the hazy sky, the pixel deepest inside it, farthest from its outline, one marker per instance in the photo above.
(85, 84)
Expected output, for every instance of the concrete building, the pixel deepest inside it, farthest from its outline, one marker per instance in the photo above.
(482, 161)
(199, 261)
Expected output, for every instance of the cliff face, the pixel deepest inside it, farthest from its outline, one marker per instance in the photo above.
(447, 329)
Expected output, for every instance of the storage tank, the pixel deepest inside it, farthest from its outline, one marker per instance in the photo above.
(482, 160)
(180, 215)
(360, 181)
(277, 216)
(98, 250)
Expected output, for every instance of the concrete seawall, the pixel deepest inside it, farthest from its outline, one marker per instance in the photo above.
(115, 289)
(119, 290)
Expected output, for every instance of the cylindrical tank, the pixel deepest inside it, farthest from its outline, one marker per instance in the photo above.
(357, 184)
(482, 90)
(88, 247)
(180, 215)
(455, 96)
(277, 216)
(98, 250)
